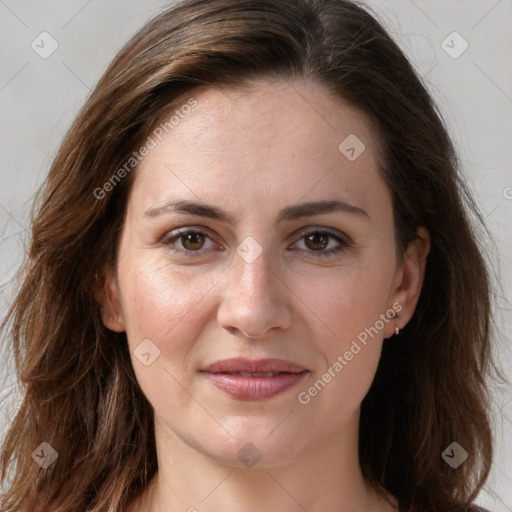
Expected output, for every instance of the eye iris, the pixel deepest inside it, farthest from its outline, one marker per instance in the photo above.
(317, 238)
(193, 238)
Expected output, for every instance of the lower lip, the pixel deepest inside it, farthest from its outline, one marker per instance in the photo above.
(255, 388)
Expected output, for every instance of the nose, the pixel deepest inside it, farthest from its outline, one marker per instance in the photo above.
(255, 299)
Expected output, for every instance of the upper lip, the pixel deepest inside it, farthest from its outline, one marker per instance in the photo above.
(239, 364)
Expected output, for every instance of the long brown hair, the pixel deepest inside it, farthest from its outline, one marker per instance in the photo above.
(80, 394)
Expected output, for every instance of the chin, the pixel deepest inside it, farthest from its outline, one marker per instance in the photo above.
(262, 450)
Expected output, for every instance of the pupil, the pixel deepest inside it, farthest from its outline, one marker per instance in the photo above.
(317, 238)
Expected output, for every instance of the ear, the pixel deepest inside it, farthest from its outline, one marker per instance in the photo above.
(409, 281)
(107, 296)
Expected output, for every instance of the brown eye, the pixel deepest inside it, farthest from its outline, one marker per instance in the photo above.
(317, 241)
(192, 241)
(320, 243)
(188, 242)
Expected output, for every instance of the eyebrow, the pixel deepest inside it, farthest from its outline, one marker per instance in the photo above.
(289, 213)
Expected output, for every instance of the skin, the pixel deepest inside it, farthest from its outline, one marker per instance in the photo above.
(253, 153)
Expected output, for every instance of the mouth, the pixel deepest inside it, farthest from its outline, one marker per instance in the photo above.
(254, 380)
(255, 375)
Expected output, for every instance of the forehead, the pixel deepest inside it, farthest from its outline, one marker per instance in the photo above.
(263, 108)
(275, 138)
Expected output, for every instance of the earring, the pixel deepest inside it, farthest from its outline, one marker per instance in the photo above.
(397, 330)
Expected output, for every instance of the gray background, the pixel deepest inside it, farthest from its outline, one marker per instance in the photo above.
(39, 98)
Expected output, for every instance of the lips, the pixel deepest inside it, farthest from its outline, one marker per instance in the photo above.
(254, 380)
(247, 366)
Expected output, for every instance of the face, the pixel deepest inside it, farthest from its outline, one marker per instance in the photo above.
(288, 253)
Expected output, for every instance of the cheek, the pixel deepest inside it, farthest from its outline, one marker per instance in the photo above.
(350, 351)
(338, 391)
(347, 300)
(163, 305)
(349, 306)
(168, 309)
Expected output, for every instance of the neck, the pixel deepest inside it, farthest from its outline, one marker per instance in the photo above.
(325, 478)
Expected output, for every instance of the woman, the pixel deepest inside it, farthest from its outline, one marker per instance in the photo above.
(252, 282)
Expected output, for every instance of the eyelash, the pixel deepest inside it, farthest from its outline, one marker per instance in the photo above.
(169, 239)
